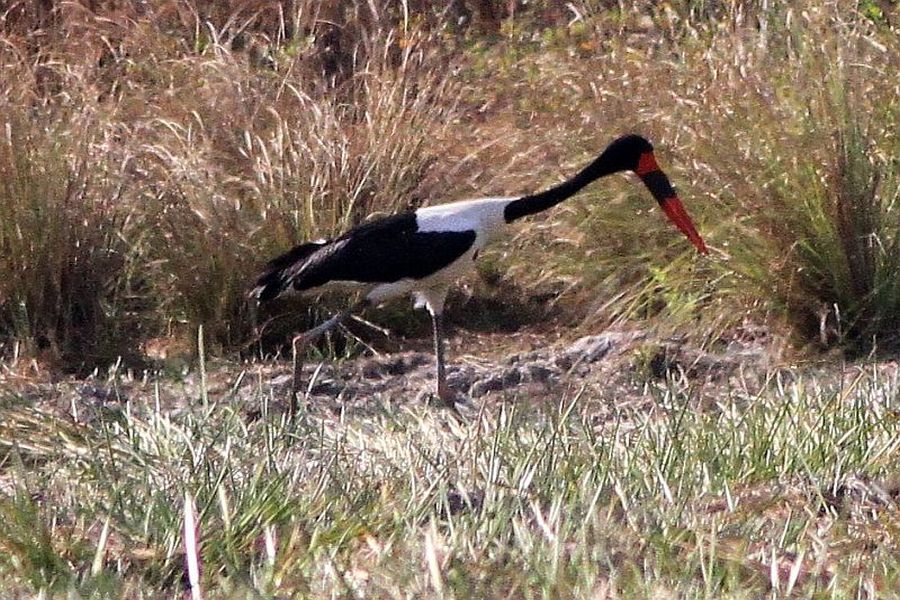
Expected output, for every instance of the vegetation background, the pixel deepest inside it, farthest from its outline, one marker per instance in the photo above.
(153, 154)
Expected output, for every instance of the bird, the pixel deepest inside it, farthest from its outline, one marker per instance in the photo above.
(423, 252)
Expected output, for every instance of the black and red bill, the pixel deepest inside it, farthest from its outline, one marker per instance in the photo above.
(674, 209)
(661, 188)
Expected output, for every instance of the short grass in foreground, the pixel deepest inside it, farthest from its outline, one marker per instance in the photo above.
(784, 488)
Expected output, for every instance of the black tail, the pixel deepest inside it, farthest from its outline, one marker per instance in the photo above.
(269, 286)
(280, 270)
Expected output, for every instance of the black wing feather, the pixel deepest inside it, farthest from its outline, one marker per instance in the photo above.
(382, 251)
(294, 254)
(271, 283)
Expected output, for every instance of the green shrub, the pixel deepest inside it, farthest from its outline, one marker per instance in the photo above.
(807, 176)
(839, 281)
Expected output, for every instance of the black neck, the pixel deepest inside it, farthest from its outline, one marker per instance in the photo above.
(535, 203)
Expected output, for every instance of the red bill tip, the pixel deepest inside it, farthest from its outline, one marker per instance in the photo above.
(674, 209)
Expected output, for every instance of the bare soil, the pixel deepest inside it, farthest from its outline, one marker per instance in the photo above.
(614, 370)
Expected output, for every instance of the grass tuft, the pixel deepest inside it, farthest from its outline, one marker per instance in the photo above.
(64, 275)
(846, 260)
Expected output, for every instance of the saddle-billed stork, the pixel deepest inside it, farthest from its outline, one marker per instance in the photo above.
(424, 251)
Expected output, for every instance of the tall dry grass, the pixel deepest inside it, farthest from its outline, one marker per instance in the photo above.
(235, 141)
(210, 136)
(64, 236)
(793, 140)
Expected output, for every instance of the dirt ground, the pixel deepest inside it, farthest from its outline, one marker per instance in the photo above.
(614, 370)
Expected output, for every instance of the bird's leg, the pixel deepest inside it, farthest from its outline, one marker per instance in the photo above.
(443, 392)
(300, 341)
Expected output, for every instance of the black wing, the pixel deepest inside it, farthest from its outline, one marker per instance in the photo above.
(271, 283)
(382, 251)
(295, 254)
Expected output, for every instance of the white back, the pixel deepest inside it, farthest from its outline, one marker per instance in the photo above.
(484, 216)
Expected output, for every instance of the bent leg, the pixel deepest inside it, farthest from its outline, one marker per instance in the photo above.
(300, 341)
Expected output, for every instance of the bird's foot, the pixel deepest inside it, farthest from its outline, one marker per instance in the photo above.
(445, 398)
(298, 346)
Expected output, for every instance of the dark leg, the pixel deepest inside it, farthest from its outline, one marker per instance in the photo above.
(443, 392)
(300, 342)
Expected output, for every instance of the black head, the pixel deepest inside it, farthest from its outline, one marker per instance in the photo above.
(624, 153)
(633, 152)
(630, 152)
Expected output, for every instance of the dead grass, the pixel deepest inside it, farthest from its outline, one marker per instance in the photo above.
(784, 486)
(799, 181)
(241, 128)
(228, 156)
(65, 290)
